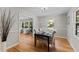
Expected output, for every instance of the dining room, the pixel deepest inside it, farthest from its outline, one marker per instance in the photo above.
(43, 29)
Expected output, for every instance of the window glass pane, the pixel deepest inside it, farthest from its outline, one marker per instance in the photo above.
(50, 23)
(26, 24)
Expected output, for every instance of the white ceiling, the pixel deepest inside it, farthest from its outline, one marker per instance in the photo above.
(50, 11)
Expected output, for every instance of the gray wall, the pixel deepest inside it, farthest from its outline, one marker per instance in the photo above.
(42, 22)
(61, 25)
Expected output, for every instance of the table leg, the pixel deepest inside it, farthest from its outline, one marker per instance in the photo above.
(48, 44)
(35, 41)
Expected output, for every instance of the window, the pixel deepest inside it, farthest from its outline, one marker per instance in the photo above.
(77, 23)
(24, 24)
(50, 23)
(27, 24)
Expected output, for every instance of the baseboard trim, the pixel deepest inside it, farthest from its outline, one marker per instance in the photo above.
(12, 45)
(61, 37)
(72, 45)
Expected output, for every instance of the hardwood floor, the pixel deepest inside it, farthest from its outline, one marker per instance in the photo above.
(27, 45)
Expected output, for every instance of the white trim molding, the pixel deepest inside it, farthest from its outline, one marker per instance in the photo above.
(61, 37)
(12, 46)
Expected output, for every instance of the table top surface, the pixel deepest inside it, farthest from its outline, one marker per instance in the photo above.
(43, 34)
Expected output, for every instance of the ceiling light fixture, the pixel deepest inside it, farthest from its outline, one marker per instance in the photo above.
(43, 9)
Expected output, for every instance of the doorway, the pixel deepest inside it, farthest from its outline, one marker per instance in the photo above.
(26, 26)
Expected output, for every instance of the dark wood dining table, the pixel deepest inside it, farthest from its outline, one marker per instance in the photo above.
(43, 35)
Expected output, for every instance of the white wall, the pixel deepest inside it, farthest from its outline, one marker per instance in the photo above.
(73, 39)
(13, 36)
(61, 25)
(42, 22)
(0, 34)
(60, 22)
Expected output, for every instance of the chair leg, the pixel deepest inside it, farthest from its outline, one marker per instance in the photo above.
(54, 44)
